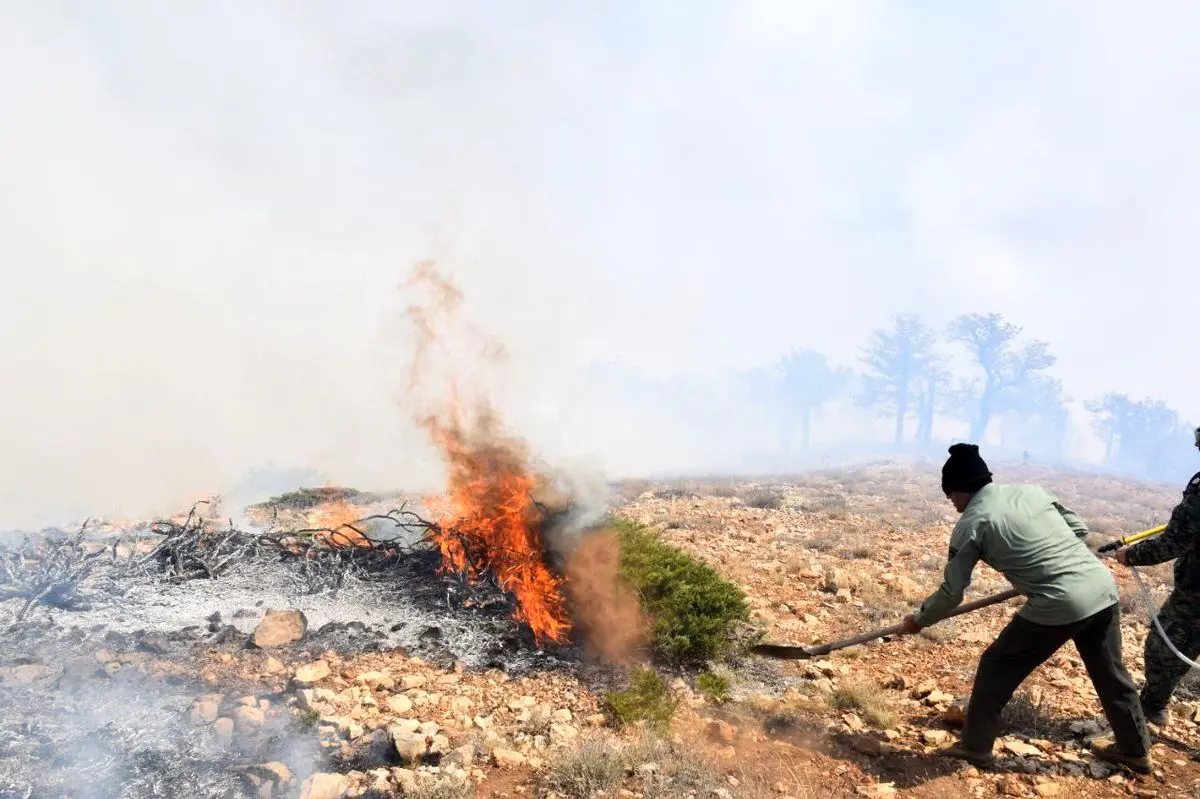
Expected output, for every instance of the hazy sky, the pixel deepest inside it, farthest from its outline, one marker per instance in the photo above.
(207, 210)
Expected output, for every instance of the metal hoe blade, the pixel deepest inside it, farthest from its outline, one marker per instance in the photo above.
(793, 652)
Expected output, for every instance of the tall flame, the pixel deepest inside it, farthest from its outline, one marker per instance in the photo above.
(494, 524)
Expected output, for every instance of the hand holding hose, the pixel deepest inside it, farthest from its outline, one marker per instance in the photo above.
(1130, 539)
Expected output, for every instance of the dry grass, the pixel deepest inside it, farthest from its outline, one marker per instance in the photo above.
(763, 499)
(864, 697)
(1025, 712)
(442, 789)
(759, 783)
(597, 764)
(657, 768)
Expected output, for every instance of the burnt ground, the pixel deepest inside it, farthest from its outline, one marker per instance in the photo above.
(136, 683)
(105, 638)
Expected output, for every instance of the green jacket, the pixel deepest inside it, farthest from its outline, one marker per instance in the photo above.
(1024, 533)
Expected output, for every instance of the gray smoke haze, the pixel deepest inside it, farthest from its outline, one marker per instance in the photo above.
(206, 211)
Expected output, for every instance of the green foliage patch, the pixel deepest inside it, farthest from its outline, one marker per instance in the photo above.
(695, 611)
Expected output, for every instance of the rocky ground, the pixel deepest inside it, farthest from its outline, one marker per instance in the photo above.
(270, 704)
(831, 554)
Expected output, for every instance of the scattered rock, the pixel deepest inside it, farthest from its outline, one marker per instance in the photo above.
(956, 714)
(399, 704)
(376, 679)
(405, 779)
(836, 580)
(507, 758)
(1021, 749)
(311, 673)
(935, 737)
(206, 710)
(223, 731)
(410, 745)
(924, 689)
(410, 681)
(248, 718)
(1085, 728)
(279, 627)
(936, 697)
(1011, 785)
(324, 786)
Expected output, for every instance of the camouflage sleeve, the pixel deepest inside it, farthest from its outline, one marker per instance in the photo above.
(1180, 536)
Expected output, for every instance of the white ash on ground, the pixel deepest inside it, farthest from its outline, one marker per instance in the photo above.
(333, 702)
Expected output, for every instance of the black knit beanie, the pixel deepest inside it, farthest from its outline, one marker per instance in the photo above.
(964, 470)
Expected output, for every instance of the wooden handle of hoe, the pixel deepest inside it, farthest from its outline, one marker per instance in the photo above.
(895, 628)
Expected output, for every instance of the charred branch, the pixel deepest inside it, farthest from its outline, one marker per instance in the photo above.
(56, 574)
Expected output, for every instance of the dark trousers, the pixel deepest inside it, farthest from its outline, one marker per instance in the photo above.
(1023, 646)
(1180, 620)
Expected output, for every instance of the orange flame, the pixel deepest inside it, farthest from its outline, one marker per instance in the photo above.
(337, 516)
(494, 523)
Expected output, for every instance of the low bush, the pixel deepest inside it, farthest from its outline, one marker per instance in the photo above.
(696, 613)
(597, 765)
(763, 499)
(308, 498)
(646, 700)
(714, 686)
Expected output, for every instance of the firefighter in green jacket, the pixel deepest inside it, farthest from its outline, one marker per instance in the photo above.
(1180, 614)
(1024, 533)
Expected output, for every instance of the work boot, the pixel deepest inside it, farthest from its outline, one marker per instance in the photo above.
(960, 751)
(1109, 752)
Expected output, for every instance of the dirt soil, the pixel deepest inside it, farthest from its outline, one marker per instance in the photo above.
(821, 556)
(834, 553)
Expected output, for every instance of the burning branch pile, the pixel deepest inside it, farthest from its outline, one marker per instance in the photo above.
(325, 555)
(496, 526)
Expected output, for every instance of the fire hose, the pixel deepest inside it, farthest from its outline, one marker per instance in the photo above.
(1146, 599)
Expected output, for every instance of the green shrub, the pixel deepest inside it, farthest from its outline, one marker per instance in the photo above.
(695, 611)
(714, 686)
(308, 498)
(646, 700)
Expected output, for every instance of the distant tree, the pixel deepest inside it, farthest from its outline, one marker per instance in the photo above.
(1110, 417)
(932, 393)
(795, 387)
(896, 361)
(1138, 434)
(1006, 368)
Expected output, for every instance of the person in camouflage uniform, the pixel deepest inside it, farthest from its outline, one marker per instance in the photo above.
(1180, 614)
